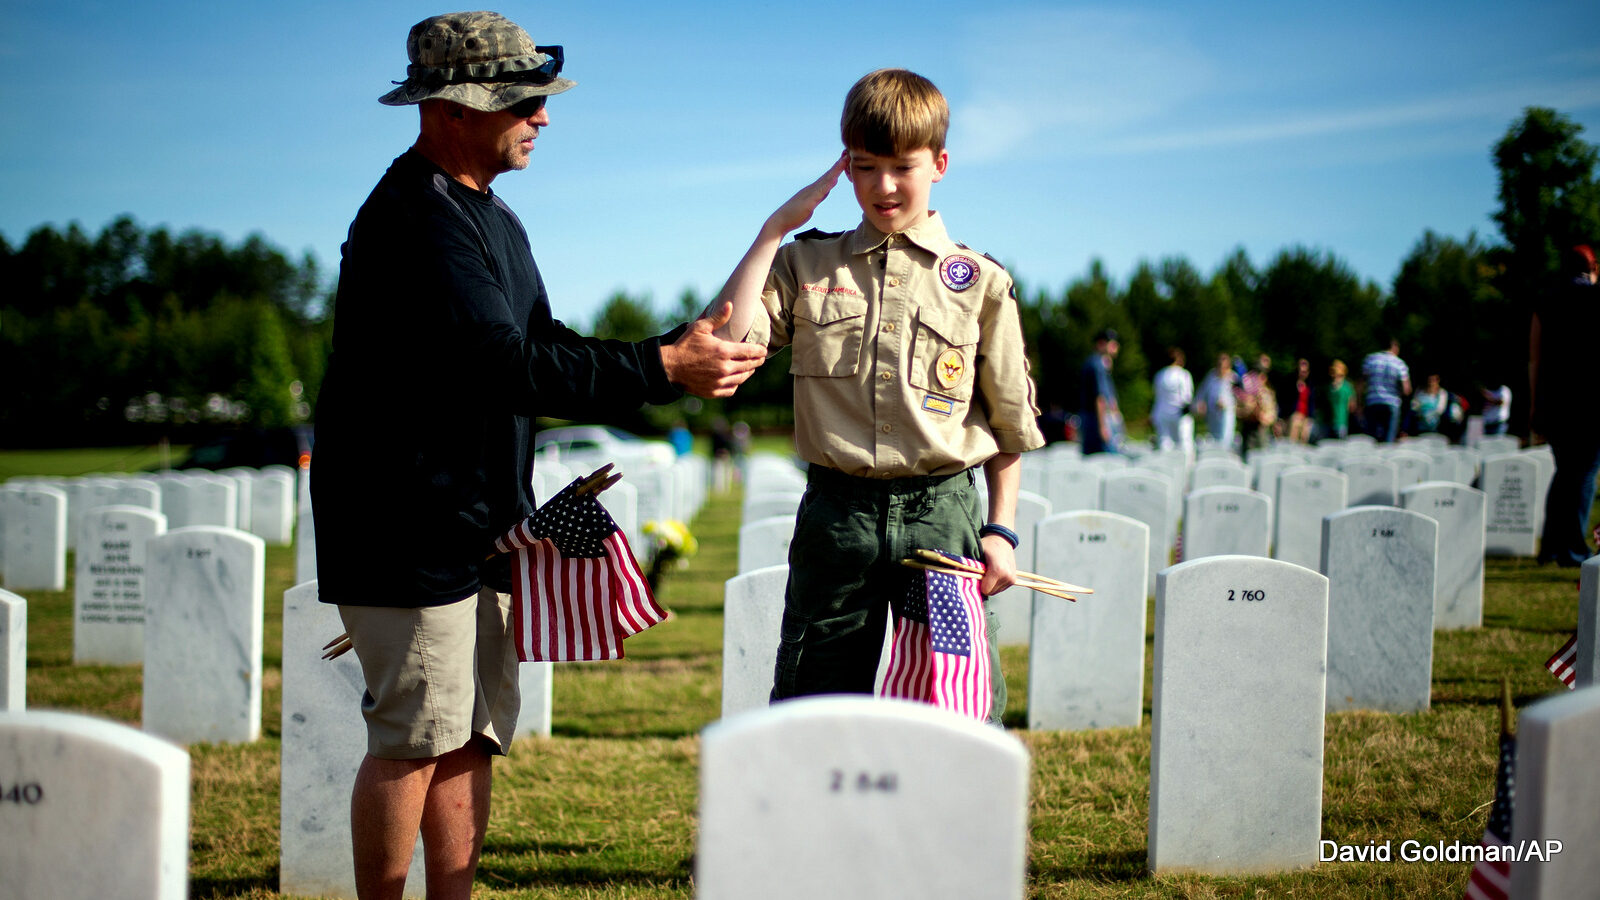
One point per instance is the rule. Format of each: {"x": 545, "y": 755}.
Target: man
{"x": 444, "y": 348}
{"x": 1102, "y": 420}
{"x": 1561, "y": 407}
{"x": 1388, "y": 382}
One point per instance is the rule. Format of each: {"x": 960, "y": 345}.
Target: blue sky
{"x": 1114, "y": 131}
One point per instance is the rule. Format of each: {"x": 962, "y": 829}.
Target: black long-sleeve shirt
{"x": 444, "y": 347}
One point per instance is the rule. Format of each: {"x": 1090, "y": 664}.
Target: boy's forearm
{"x": 743, "y": 288}
{"x": 1003, "y": 473}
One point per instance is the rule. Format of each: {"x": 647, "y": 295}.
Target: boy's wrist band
{"x": 1005, "y": 533}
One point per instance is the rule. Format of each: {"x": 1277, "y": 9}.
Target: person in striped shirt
{"x": 1388, "y": 383}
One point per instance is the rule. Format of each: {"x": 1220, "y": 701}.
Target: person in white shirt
{"x": 1169, "y": 414}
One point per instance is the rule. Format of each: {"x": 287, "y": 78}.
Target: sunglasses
{"x": 528, "y": 108}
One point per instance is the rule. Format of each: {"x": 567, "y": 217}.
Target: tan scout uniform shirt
{"x": 906, "y": 350}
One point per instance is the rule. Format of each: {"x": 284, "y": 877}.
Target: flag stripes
{"x": 1563, "y": 664}
{"x": 940, "y": 651}
{"x": 577, "y": 590}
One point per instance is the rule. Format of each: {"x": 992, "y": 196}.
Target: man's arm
{"x": 1003, "y": 473}
{"x": 742, "y": 292}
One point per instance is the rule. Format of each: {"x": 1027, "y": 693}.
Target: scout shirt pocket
{"x": 828, "y": 328}
{"x": 944, "y": 353}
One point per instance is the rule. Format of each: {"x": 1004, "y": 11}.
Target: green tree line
{"x": 137, "y": 333}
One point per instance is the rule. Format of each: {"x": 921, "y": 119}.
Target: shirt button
{"x": 889, "y": 327}
{"x": 886, "y": 376}
{"x": 888, "y": 428}
{"x": 894, "y": 282}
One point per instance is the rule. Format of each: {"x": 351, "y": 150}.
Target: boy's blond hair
{"x": 893, "y": 112}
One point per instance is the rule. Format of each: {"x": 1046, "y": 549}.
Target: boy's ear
{"x": 940, "y": 164}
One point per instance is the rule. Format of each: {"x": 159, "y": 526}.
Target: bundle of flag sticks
{"x": 596, "y": 482}
{"x": 938, "y": 562}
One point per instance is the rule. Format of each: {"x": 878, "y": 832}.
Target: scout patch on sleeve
{"x": 940, "y": 405}
{"x": 950, "y": 367}
{"x": 958, "y": 272}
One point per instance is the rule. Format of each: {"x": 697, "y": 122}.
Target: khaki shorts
{"x": 436, "y": 676}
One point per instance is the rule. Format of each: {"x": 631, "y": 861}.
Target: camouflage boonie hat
{"x": 477, "y": 59}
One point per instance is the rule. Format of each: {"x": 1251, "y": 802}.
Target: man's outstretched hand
{"x": 706, "y": 365}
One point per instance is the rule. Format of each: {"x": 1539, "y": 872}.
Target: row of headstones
{"x": 1235, "y": 777}
{"x": 1250, "y": 655}
{"x": 835, "y": 796}
{"x": 206, "y": 686}
{"x": 1397, "y": 576}
{"x": 1220, "y": 521}
{"x": 40, "y": 520}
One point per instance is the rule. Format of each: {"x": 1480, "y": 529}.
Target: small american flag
{"x": 1562, "y": 664}
{"x": 576, "y": 589}
{"x": 1492, "y": 880}
{"x": 940, "y": 653}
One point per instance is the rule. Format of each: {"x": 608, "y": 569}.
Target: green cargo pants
{"x": 844, "y": 569}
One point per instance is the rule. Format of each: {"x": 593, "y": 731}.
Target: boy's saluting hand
{"x": 798, "y": 209}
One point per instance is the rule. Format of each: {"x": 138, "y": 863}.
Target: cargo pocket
{"x": 827, "y": 334}
{"x": 944, "y": 355}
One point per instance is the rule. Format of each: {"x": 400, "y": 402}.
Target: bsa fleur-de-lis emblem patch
{"x": 949, "y": 368}
{"x": 958, "y": 272}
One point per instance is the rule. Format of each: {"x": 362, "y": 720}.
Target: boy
{"x": 909, "y": 371}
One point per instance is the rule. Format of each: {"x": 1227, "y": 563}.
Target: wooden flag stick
{"x": 940, "y": 559}
{"x": 337, "y": 647}
{"x": 975, "y": 575}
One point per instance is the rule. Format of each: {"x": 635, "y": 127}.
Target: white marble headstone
{"x": 752, "y": 621}
{"x": 203, "y": 632}
{"x": 1145, "y": 497}
{"x": 766, "y": 506}
{"x": 1459, "y": 510}
{"x": 1236, "y": 742}
{"x": 1373, "y": 481}
{"x": 1071, "y": 485}
{"x": 1226, "y": 521}
{"x": 1220, "y": 472}
{"x": 35, "y": 535}
{"x": 272, "y": 507}
{"x": 1305, "y": 495}
{"x": 305, "y": 542}
{"x": 13, "y": 652}
{"x": 1558, "y": 797}
{"x": 1411, "y": 467}
{"x": 536, "y": 685}
{"x": 109, "y": 584}
{"x": 141, "y": 492}
{"x": 1013, "y": 607}
{"x": 1510, "y": 482}
{"x": 1587, "y": 666}
{"x": 855, "y": 799}
{"x": 324, "y": 741}
{"x": 244, "y": 480}
{"x": 101, "y": 810}
{"x": 1086, "y": 662}
{"x": 1499, "y": 443}
{"x": 765, "y": 542}
{"x": 1380, "y": 563}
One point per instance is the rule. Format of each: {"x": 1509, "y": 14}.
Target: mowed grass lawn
{"x": 606, "y": 807}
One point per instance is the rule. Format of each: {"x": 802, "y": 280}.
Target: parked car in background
{"x": 253, "y": 448}
{"x": 592, "y": 446}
